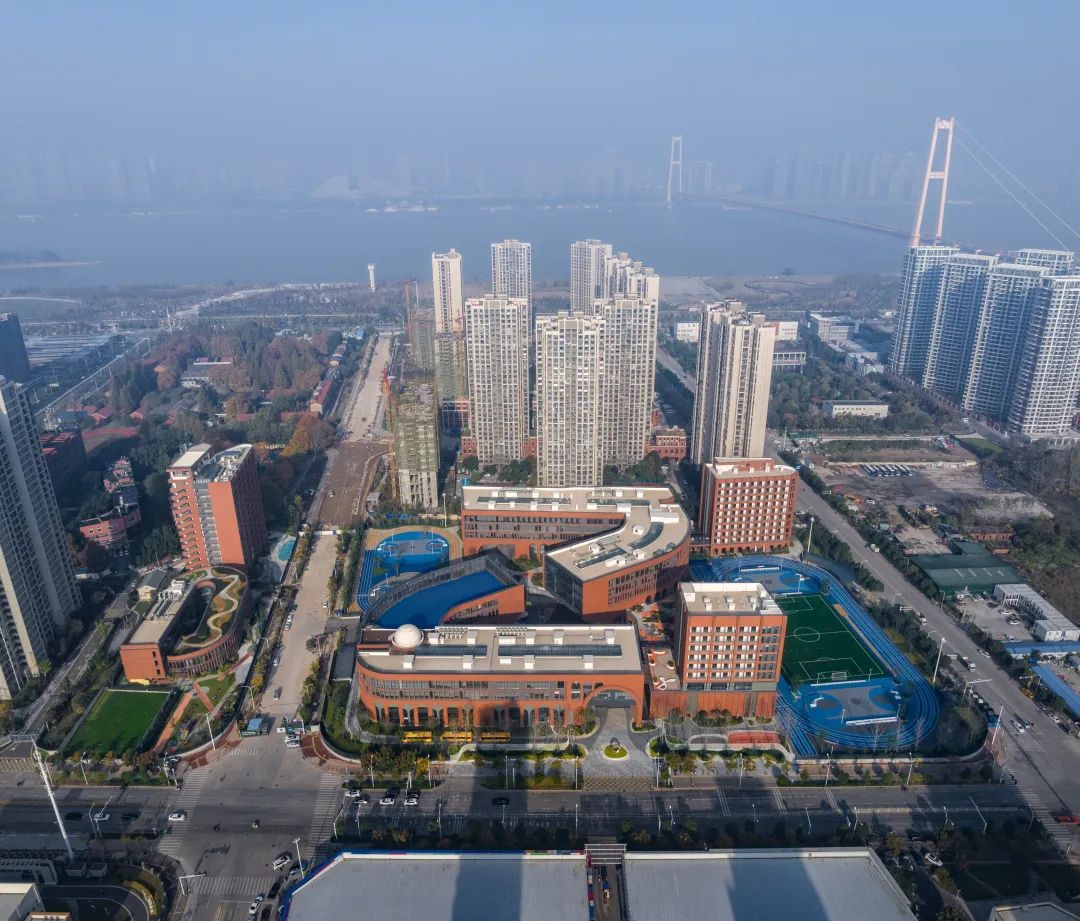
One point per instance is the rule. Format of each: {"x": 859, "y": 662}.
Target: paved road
{"x": 668, "y": 361}
{"x": 1043, "y": 759}
{"x": 96, "y": 903}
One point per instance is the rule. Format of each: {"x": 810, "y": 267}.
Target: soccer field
{"x": 820, "y": 646}
{"x": 118, "y": 721}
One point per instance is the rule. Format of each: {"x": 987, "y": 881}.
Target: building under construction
{"x": 413, "y": 412}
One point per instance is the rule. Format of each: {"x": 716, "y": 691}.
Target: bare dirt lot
{"x": 947, "y": 488}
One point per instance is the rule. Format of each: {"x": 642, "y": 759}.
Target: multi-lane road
{"x": 1043, "y": 759}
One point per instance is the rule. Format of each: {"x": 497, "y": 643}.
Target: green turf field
{"x": 820, "y": 645}
{"x": 118, "y": 721}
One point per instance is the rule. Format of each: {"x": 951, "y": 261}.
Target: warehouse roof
{"x": 837, "y": 884}
{"x": 436, "y": 886}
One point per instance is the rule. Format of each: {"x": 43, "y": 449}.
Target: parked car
{"x": 281, "y": 860}
{"x": 932, "y": 859}
{"x": 412, "y": 800}
{"x": 984, "y": 653}
{"x": 353, "y": 794}
{"x": 253, "y": 908}
{"x": 501, "y": 801}
{"x": 388, "y": 798}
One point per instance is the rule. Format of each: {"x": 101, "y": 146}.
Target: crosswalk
{"x": 259, "y": 747}
{"x": 780, "y": 807}
{"x": 324, "y": 813}
{"x": 194, "y": 781}
{"x": 248, "y": 886}
{"x": 1060, "y": 834}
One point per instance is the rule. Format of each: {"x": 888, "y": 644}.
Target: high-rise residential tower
{"x": 917, "y": 307}
{"x": 511, "y": 269}
{"x": 496, "y": 356}
{"x": 38, "y": 593}
{"x": 595, "y": 379}
{"x": 569, "y": 375}
{"x": 217, "y": 507}
{"x": 961, "y": 290}
{"x": 629, "y": 278}
{"x": 629, "y": 381}
{"x": 998, "y": 339}
{"x": 1048, "y": 375}
{"x": 449, "y": 301}
{"x": 14, "y": 365}
{"x": 734, "y": 372}
{"x": 587, "y": 262}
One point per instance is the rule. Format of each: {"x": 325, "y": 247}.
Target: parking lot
{"x": 999, "y": 621}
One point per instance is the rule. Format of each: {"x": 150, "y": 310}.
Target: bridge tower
{"x": 371, "y": 275}
{"x": 940, "y": 173}
{"x": 674, "y": 182}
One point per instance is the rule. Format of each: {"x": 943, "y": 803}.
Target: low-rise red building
{"x": 111, "y": 529}
{"x": 670, "y": 443}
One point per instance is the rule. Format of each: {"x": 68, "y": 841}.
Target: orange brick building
{"x": 747, "y": 505}
{"x": 729, "y": 643}
{"x": 503, "y": 677}
{"x": 195, "y": 627}
{"x": 605, "y": 549}
{"x": 669, "y": 443}
{"x": 217, "y": 507}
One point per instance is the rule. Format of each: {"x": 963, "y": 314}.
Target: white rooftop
{"x": 446, "y": 887}
{"x": 834, "y": 884}
{"x": 652, "y": 521}
{"x": 727, "y": 598}
{"x": 511, "y": 649}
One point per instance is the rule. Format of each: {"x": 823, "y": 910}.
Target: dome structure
{"x": 406, "y": 637}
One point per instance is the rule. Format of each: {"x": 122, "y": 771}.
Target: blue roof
{"x": 1043, "y": 649}
{"x": 427, "y": 607}
{"x": 1060, "y": 687}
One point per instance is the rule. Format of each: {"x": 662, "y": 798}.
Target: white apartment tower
{"x": 1048, "y": 375}
{"x": 952, "y": 330}
{"x": 630, "y": 278}
{"x": 38, "y": 593}
{"x": 568, "y": 400}
{"x": 587, "y": 262}
{"x": 497, "y": 362}
{"x": 734, "y": 371}
{"x": 511, "y": 269}
{"x": 629, "y": 359}
{"x": 595, "y": 379}
{"x": 446, "y": 281}
{"x": 917, "y": 307}
{"x": 998, "y": 339}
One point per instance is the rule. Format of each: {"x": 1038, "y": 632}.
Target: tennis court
{"x": 821, "y": 647}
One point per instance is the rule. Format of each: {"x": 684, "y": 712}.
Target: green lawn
{"x": 118, "y": 721}
{"x": 980, "y": 447}
{"x": 217, "y": 687}
{"x": 820, "y": 645}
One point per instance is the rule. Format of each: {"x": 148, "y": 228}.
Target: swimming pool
{"x": 285, "y": 549}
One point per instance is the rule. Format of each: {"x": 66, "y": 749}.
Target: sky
{"x": 321, "y": 87}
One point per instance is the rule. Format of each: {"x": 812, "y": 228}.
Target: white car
{"x": 102, "y": 817}
{"x": 280, "y": 861}
{"x": 178, "y": 816}
{"x": 353, "y": 794}
{"x": 932, "y": 859}
{"x": 292, "y": 743}
{"x": 253, "y": 908}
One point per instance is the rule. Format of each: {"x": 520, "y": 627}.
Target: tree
{"x": 310, "y": 435}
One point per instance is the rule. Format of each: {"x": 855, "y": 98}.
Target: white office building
{"x": 38, "y": 593}
{"x": 497, "y": 362}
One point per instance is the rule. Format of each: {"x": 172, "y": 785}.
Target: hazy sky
{"x": 325, "y": 86}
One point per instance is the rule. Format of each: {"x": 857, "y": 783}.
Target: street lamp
{"x": 941, "y": 647}
{"x": 299, "y": 859}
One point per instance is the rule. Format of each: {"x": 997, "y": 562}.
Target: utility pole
{"x": 52, "y": 799}
{"x": 810, "y": 536}
{"x": 979, "y": 811}
{"x": 210, "y": 729}
{"x": 941, "y": 647}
